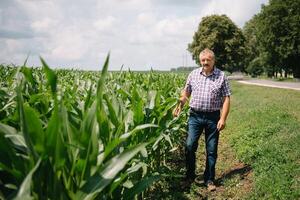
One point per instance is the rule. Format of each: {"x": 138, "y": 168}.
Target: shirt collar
{"x": 214, "y": 72}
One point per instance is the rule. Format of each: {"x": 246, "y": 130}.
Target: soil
{"x": 234, "y": 179}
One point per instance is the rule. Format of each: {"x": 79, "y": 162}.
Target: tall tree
{"x": 220, "y": 34}
{"x": 256, "y": 60}
{"x": 278, "y": 34}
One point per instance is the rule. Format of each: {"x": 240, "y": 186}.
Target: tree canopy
{"x": 220, "y": 34}
{"x": 274, "y": 35}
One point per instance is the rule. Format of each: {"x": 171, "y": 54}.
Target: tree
{"x": 221, "y": 35}
{"x": 278, "y": 33}
{"x": 257, "y": 60}
{"x": 250, "y": 34}
{"x": 255, "y": 67}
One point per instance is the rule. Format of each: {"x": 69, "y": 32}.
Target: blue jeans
{"x": 197, "y": 122}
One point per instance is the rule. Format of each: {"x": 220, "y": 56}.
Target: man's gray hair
{"x": 207, "y": 50}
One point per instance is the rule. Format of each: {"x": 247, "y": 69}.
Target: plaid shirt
{"x": 207, "y": 91}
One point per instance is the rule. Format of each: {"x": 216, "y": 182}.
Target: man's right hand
{"x": 183, "y": 98}
{"x": 177, "y": 110}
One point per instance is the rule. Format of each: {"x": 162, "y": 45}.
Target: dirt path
{"x": 233, "y": 178}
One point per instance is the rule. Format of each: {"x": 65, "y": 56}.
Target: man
{"x": 209, "y": 108}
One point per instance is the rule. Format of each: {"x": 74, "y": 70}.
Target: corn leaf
{"x": 25, "y": 188}
{"x": 97, "y": 183}
{"x": 35, "y": 129}
{"x": 140, "y": 186}
{"x": 51, "y": 76}
{"x": 24, "y": 122}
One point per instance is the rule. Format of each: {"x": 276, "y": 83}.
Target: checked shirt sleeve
{"x": 225, "y": 90}
{"x": 188, "y": 86}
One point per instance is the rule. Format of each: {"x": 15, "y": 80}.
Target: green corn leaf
{"x": 164, "y": 114}
{"x": 112, "y": 114}
{"x": 24, "y": 122}
{"x": 97, "y": 183}
{"x": 140, "y": 186}
{"x": 138, "y": 114}
{"x": 70, "y": 143}
{"x": 137, "y": 106}
{"x": 10, "y": 132}
{"x": 35, "y": 129}
{"x": 101, "y": 81}
{"x": 92, "y": 155}
{"x": 29, "y": 76}
{"x": 51, "y": 76}
{"x": 51, "y": 132}
{"x": 167, "y": 138}
{"x": 89, "y": 140}
{"x": 88, "y": 124}
{"x": 136, "y": 129}
{"x": 25, "y": 62}
{"x": 151, "y": 98}
{"x": 25, "y": 188}
{"x": 101, "y": 115}
{"x": 88, "y": 98}
{"x": 55, "y": 141}
{"x": 124, "y": 93}
{"x": 114, "y": 143}
{"x": 117, "y": 182}
{"x": 136, "y": 167}
{"x": 104, "y": 128}
{"x": 157, "y": 141}
{"x": 9, "y": 161}
{"x": 78, "y": 110}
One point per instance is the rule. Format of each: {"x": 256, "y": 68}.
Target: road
{"x": 275, "y": 84}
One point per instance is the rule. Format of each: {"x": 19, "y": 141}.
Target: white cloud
{"x": 14, "y": 45}
{"x": 146, "y": 18}
{"x": 151, "y": 30}
{"x": 44, "y": 25}
{"x": 139, "y": 33}
{"x": 176, "y": 27}
{"x": 40, "y": 9}
{"x": 238, "y": 11}
{"x": 69, "y": 45}
{"x": 106, "y": 24}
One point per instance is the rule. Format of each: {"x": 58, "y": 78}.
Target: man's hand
{"x": 183, "y": 98}
{"x": 221, "y": 124}
{"x": 177, "y": 110}
{"x": 225, "y": 111}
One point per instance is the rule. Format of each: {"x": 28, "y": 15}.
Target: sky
{"x": 139, "y": 34}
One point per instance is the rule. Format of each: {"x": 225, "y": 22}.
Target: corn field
{"x": 68, "y": 134}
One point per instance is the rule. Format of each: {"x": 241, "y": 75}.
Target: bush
{"x": 255, "y": 67}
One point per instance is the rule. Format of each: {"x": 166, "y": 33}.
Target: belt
{"x": 204, "y": 112}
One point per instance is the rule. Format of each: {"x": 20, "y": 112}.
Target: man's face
{"x": 207, "y": 61}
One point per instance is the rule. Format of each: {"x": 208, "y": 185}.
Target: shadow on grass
{"x": 242, "y": 171}
{"x": 171, "y": 187}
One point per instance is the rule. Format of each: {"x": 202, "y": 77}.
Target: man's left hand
{"x": 221, "y": 124}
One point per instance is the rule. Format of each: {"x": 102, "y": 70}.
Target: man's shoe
{"x": 211, "y": 186}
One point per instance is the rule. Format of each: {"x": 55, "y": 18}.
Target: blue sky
{"x": 139, "y": 34}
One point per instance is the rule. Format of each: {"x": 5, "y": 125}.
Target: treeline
{"x": 268, "y": 43}
{"x": 183, "y": 69}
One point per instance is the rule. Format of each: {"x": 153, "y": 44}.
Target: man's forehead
{"x": 206, "y": 54}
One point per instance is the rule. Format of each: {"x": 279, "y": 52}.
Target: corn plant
{"x": 74, "y": 135}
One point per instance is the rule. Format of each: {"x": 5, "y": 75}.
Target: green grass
{"x": 264, "y": 130}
